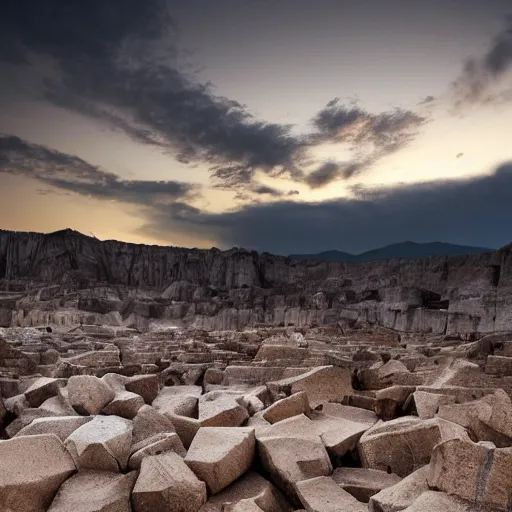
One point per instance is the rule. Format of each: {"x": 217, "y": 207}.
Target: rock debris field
{"x": 323, "y": 419}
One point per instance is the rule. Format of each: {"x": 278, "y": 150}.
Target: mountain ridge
{"x": 401, "y": 250}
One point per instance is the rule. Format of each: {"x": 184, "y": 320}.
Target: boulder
{"x": 166, "y": 483}
{"x": 221, "y": 410}
{"x": 186, "y": 428}
{"x": 101, "y": 444}
{"x": 61, "y": 426}
{"x": 42, "y": 389}
{"x": 364, "y": 483}
{"x": 147, "y": 424}
{"x": 323, "y": 494}
{"x": 159, "y": 443}
{"x": 32, "y": 468}
{"x": 432, "y": 501}
{"x": 124, "y": 404}
{"x": 89, "y": 394}
{"x": 287, "y": 407}
{"x": 249, "y": 487}
{"x": 428, "y": 404}
{"x": 95, "y": 491}
{"x": 146, "y": 386}
{"x": 178, "y": 400}
{"x": 400, "y": 446}
{"x": 340, "y": 427}
{"x": 220, "y": 455}
{"x": 322, "y": 384}
{"x": 289, "y": 460}
{"x": 477, "y": 472}
{"x": 401, "y": 495}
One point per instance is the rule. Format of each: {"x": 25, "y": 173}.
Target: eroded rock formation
{"x": 66, "y": 278}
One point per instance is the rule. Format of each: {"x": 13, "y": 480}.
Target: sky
{"x": 286, "y": 127}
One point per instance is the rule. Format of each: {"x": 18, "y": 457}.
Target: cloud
{"x": 116, "y": 62}
{"x": 481, "y": 75}
{"x": 473, "y": 211}
{"x": 72, "y": 174}
{"x": 459, "y": 155}
{"x": 370, "y": 136}
{"x": 354, "y": 125}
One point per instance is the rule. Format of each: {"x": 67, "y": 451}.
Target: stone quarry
{"x": 144, "y": 379}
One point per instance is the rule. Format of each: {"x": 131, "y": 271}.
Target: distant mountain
{"x": 408, "y": 250}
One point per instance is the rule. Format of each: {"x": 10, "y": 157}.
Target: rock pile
{"x": 265, "y": 420}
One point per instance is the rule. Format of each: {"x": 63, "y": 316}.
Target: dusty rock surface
{"x": 208, "y": 381}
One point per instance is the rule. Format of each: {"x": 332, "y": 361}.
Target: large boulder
{"x": 178, "y": 400}
{"x": 289, "y": 460}
{"x": 101, "y": 444}
{"x": 323, "y": 494}
{"x": 95, "y": 491}
{"x": 322, "y": 384}
{"x": 364, "y": 483}
{"x": 89, "y": 394}
{"x": 287, "y": 407}
{"x": 401, "y": 495}
{"x": 32, "y": 468}
{"x": 61, "y": 426}
{"x": 147, "y": 386}
{"x": 249, "y": 487}
{"x": 477, "y": 472}
{"x": 42, "y": 389}
{"x": 403, "y": 445}
{"x": 220, "y": 455}
{"x": 166, "y": 483}
{"x": 340, "y": 427}
{"x": 221, "y": 410}
{"x": 432, "y": 501}
{"x": 124, "y": 404}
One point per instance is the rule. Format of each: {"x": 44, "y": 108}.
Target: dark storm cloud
{"x": 480, "y": 75}
{"x": 116, "y": 62}
{"x": 354, "y": 125}
{"x": 473, "y": 212}
{"x": 371, "y": 136}
{"x": 72, "y": 174}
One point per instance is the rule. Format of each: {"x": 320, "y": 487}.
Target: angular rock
{"x": 287, "y": 407}
{"x": 185, "y": 427}
{"x": 124, "y": 404}
{"x": 32, "y": 468}
{"x": 401, "y": 495}
{"x": 101, "y": 444}
{"x": 322, "y": 384}
{"x": 249, "y": 487}
{"x": 289, "y": 460}
{"x": 477, "y": 472}
{"x": 427, "y": 404}
{"x": 95, "y": 491}
{"x": 144, "y": 385}
{"x": 220, "y": 455}
{"x": 88, "y": 394}
{"x": 221, "y": 411}
{"x": 159, "y": 443}
{"x": 62, "y": 426}
{"x": 432, "y": 501}
{"x": 166, "y": 483}
{"x": 340, "y": 427}
{"x": 400, "y": 446}
{"x": 42, "y": 389}
{"x": 147, "y": 424}
{"x": 323, "y": 494}
{"x": 364, "y": 483}
{"x": 178, "y": 400}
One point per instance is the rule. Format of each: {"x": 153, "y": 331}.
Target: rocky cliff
{"x": 69, "y": 278}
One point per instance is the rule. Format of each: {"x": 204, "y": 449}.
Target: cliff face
{"x": 66, "y": 277}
